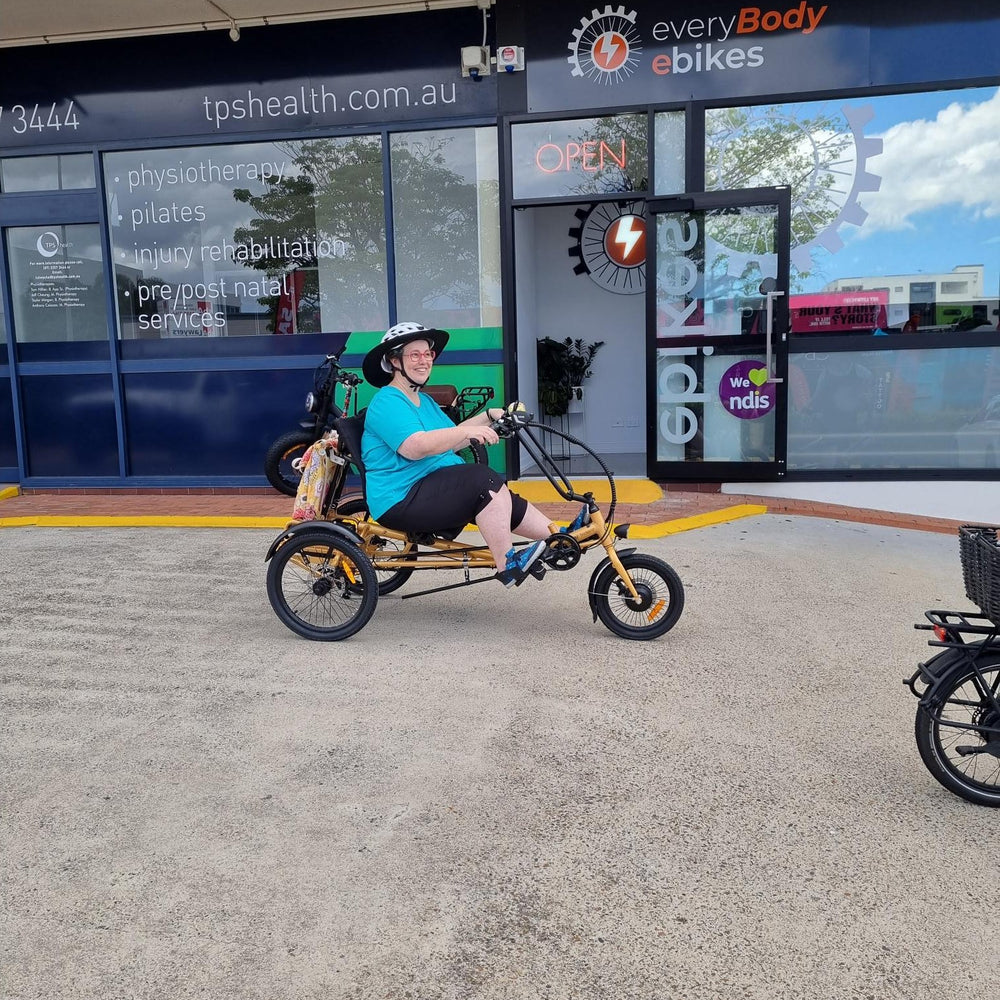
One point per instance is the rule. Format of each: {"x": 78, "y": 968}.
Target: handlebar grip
{"x": 507, "y": 424}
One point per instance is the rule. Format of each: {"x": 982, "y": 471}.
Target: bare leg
{"x": 494, "y": 525}
{"x": 535, "y": 524}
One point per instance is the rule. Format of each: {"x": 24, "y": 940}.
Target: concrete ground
{"x": 483, "y": 794}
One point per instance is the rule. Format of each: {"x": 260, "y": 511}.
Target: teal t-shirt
{"x": 390, "y": 419}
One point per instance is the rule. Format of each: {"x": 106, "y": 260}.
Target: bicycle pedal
{"x": 538, "y": 569}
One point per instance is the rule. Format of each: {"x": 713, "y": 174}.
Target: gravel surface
{"x": 483, "y": 794}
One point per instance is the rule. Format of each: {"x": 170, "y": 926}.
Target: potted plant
{"x": 563, "y": 367}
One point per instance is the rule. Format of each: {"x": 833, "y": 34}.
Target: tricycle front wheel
{"x": 661, "y": 597}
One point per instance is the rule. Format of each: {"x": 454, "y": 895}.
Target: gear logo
{"x": 825, "y": 164}
{"x": 610, "y": 243}
{"x": 605, "y": 47}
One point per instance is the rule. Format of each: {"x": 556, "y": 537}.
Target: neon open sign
{"x": 582, "y": 156}
{"x": 592, "y": 155}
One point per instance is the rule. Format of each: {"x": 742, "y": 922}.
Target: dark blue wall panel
{"x": 216, "y": 423}
{"x": 70, "y": 425}
{"x": 8, "y": 453}
{"x": 234, "y": 347}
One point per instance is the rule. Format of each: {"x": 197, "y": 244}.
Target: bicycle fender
{"x": 937, "y": 672}
{"x": 598, "y": 570}
{"x": 335, "y": 529}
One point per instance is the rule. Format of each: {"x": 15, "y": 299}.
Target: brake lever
{"x": 508, "y": 425}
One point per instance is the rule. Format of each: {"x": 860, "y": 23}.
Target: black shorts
{"x": 450, "y": 498}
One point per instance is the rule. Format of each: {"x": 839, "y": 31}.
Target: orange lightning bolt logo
{"x": 610, "y": 51}
{"x": 625, "y": 242}
{"x": 606, "y": 47}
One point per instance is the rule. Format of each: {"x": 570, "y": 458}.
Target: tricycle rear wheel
{"x": 322, "y": 586}
{"x": 661, "y": 597}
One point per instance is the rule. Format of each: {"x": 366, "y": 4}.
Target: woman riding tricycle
{"x": 325, "y": 576}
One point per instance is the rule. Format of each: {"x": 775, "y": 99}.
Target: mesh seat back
{"x": 350, "y": 430}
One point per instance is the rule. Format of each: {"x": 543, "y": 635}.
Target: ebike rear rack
{"x": 950, "y": 629}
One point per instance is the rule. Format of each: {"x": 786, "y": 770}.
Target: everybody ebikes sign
{"x": 671, "y": 51}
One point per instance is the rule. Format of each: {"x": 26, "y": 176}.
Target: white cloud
{"x": 952, "y": 160}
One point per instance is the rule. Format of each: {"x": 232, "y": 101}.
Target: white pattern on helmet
{"x": 399, "y": 330}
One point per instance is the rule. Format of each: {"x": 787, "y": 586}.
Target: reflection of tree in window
{"x": 618, "y": 132}
{"x": 761, "y": 147}
{"x": 338, "y": 198}
{"x": 438, "y": 217}
{"x": 335, "y": 201}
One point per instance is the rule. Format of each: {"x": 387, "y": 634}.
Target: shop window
{"x": 584, "y": 156}
{"x": 257, "y": 239}
{"x": 70, "y": 172}
{"x": 58, "y": 292}
{"x": 888, "y": 192}
{"x": 668, "y": 151}
{"x": 446, "y": 226}
{"x": 915, "y": 409}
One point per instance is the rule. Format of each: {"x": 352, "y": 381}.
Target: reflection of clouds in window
{"x": 951, "y": 159}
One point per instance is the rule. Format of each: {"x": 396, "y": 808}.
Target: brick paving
{"x": 266, "y": 503}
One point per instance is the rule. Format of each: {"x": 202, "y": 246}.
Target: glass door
{"x": 717, "y": 318}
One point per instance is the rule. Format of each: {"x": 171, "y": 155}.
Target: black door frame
{"x": 701, "y": 471}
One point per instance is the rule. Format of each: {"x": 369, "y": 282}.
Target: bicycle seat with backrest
{"x": 350, "y": 430}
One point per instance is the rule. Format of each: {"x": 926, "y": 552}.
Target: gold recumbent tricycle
{"x": 325, "y": 576}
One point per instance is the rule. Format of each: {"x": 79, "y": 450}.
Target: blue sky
{"x": 939, "y": 201}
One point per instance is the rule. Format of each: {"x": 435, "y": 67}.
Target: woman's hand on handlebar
{"x": 484, "y": 435}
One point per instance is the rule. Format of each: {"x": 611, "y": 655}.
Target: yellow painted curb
{"x": 627, "y": 490}
{"x": 180, "y": 521}
{"x": 695, "y": 521}
{"x": 9, "y": 492}
{"x": 162, "y": 521}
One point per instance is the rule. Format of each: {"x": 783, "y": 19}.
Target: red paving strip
{"x": 265, "y": 503}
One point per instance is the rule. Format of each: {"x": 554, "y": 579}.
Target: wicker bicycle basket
{"x": 981, "y": 567}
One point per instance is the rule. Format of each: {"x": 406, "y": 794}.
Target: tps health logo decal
{"x": 605, "y": 47}
{"x": 744, "y": 390}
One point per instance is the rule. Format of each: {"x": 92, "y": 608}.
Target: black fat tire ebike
{"x": 325, "y": 577}
{"x": 957, "y": 726}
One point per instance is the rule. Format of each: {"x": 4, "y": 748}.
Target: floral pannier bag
{"x": 317, "y": 466}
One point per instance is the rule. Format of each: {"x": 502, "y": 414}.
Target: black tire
{"x": 322, "y": 586}
{"x": 279, "y": 458}
{"x": 975, "y": 773}
{"x": 474, "y": 454}
{"x": 661, "y": 591}
{"x": 388, "y": 580}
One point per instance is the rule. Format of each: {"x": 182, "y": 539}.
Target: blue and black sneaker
{"x": 580, "y": 520}
{"x": 519, "y": 564}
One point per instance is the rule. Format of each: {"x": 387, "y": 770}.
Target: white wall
{"x": 554, "y": 302}
{"x": 971, "y": 502}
